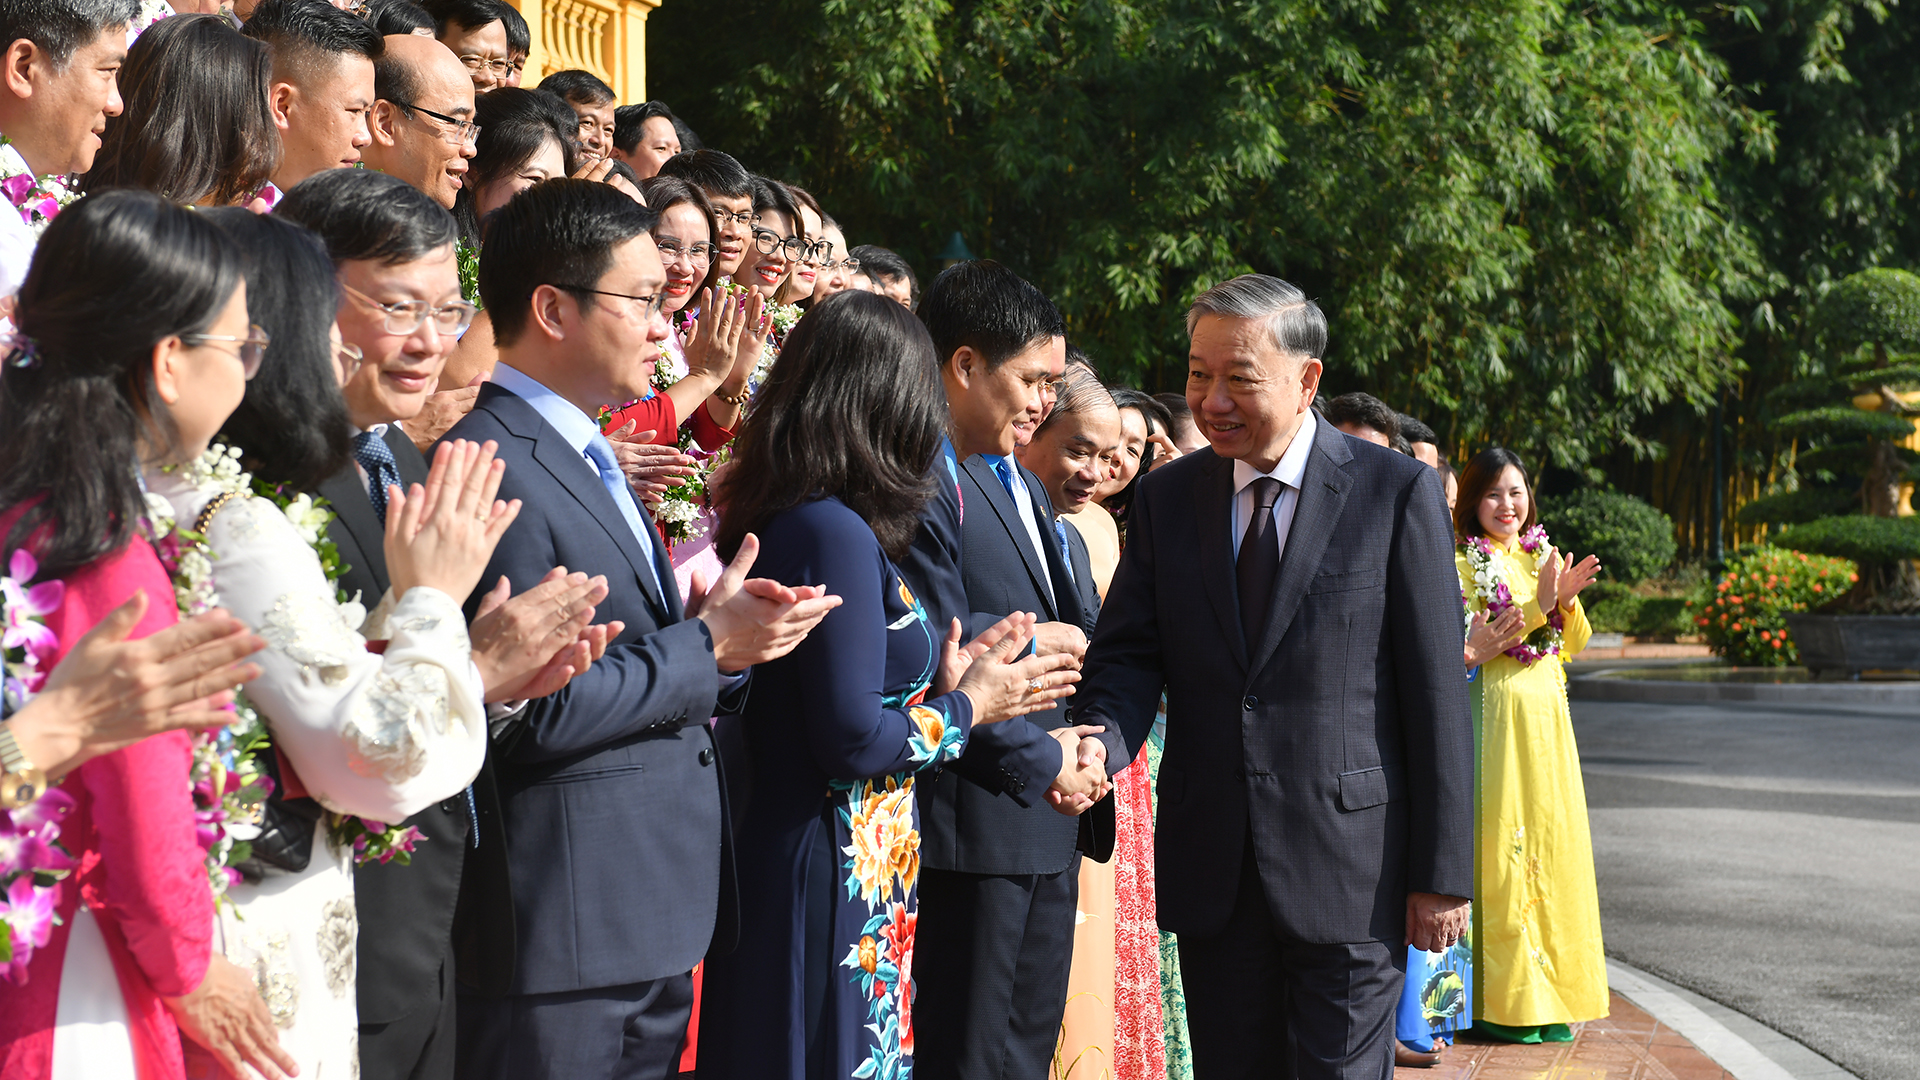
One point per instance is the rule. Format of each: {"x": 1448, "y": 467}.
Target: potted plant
{"x": 1856, "y": 474}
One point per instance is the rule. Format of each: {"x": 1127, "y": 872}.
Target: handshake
{"x": 1083, "y": 779}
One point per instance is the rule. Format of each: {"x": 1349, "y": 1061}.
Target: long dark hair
{"x": 196, "y": 127}
{"x": 114, "y": 275}
{"x": 292, "y": 427}
{"x": 1159, "y": 421}
{"x": 514, "y": 125}
{"x": 854, "y": 408}
{"x": 1482, "y": 473}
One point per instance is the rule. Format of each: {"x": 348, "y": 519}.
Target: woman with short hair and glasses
{"x": 806, "y": 269}
{"x": 837, "y": 266}
{"x": 775, "y": 244}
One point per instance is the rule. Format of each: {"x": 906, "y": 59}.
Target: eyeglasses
{"x": 819, "y": 253}
{"x": 851, "y": 266}
{"x": 741, "y": 217}
{"x": 462, "y": 133}
{"x": 500, "y": 69}
{"x": 649, "y": 305}
{"x": 671, "y": 251}
{"x": 349, "y": 357}
{"x": 406, "y": 316}
{"x": 766, "y": 240}
{"x": 1056, "y": 385}
{"x": 253, "y": 347}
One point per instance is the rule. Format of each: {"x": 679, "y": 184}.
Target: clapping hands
{"x": 1487, "y": 639}
{"x": 1561, "y": 579}
{"x": 999, "y": 683}
{"x": 535, "y": 643}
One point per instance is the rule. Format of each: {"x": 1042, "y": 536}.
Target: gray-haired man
{"x": 1315, "y": 799}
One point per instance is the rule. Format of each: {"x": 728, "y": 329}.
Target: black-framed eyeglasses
{"x": 463, "y": 132}
{"x": 738, "y": 217}
{"x": 766, "y": 240}
{"x": 403, "y": 317}
{"x": 495, "y": 66}
{"x": 649, "y": 305}
{"x": 253, "y": 347}
{"x": 819, "y": 253}
{"x": 671, "y": 251}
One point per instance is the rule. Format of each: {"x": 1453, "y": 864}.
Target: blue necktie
{"x": 1007, "y": 481}
{"x": 1066, "y": 550}
{"x": 600, "y": 454}
{"x": 375, "y": 456}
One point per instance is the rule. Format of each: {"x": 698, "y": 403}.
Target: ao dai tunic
{"x": 1536, "y": 911}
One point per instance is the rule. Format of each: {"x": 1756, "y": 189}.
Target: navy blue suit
{"x": 610, "y": 800}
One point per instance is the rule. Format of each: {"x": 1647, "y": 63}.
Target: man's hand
{"x": 442, "y": 411}
{"x": 533, "y": 644}
{"x": 1083, "y": 770}
{"x": 651, "y": 467}
{"x": 1059, "y": 637}
{"x": 108, "y": 692}
{"x": 754, "y": 620}
{"x": 1435, "y": 922}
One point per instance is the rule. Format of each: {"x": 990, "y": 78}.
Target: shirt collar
{"x": 1292, "y": 468}
{"x": 377, "y": 429}
{"x": 573, "y": 425}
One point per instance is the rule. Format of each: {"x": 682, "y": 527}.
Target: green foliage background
{"x": 1569, "y": 229}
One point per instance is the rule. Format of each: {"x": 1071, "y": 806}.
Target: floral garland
{"x": 229, "y": 787}
{"x": 39, "y": 199}
{"x": 32, "y": 860}
{"x": 1491, "y": 590}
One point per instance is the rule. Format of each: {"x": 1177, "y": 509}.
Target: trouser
{"x": 990, "y": 972}
{"x": 632, "y": 1032}
{"x": 419, "y": 1045}
{"x": 1263, "y": 1004}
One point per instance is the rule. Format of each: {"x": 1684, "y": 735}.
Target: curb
{"x": 1608, "y": 686}
{"x": 1743, "y": 1046}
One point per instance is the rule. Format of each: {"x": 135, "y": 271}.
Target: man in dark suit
{"x": 393, "y": 248}
{"x": 999, "y": 877}
{"x": 1293, "y": 591}
{"x": 612, "y": 820}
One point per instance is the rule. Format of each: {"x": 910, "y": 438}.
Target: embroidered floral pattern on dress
{"x": 269, "y": 959}
{"x": 338, "y": 934}
{"x": 388, "y": 722}
{"x": 311, "y": 631}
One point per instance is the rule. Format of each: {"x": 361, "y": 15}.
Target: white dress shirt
{"x": 1290, "y": 471}
{"x": 1023, "y": 500}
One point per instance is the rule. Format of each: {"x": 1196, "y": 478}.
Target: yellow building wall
{"x": 606, "y": 37}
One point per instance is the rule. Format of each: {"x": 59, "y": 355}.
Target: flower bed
{"x": 1745, "y": 619}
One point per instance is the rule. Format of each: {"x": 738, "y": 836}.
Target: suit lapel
{"x": 1213, "y": 511}
{"x": 1323, "y": 495}
{"x": 354, "y": 512}
{"x": 1066, "y": 590}
{"x": 578, "y": 478}
{"x": 407, "y": 457}
{"x": 1083, "y": 582}
{"x": 997, "y": 497}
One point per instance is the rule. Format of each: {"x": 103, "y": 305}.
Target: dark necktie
{"x": 1066, "y": 549}
{"x": 1258, "y": 565}
{"x": 375, "y": 456}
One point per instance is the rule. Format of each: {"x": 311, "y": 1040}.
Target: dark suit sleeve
{"x": 1120, "y": 683}
{"x": 1423, "y": 621}
{"x": 645, "y": 680}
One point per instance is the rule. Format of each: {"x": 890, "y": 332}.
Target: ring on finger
{"x": 1034, "y": 685}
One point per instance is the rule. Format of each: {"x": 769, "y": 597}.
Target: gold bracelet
{"x": 23, "y": 783}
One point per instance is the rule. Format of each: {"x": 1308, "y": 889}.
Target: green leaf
{"x": 1843, "y": 422}
{"x": 1865, "y": 540}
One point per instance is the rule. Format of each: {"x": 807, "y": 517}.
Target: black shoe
{"x": 1407, "y": 1057}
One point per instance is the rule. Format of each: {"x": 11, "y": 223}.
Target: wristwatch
{"x": 22, "y": 783}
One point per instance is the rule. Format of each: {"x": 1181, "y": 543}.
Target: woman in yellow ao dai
{"x": 1538, "y": 962}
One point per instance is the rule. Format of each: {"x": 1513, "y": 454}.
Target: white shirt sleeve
{"x": 377, "y": 736}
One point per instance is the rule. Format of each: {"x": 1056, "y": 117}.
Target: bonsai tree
{"x": 1848, "y": 501}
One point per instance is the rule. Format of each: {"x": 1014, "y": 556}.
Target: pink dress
{"x": 141, "y": 873}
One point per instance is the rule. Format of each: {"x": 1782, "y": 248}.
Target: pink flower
{"x": 28, "y": 913}
{"x": 17, "y": 187}
{"x": 25, "y": 603}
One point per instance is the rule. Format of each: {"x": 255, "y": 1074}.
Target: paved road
{"x": 1767, "y": 857}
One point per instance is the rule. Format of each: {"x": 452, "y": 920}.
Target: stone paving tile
{"x": 1627, "y": 1045}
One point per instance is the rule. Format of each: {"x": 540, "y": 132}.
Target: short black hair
{"x": 514, "y": 124}
{"x": 362, "y": 214}
{"x": 466, "y": 14}
{"x": 301, "y": 33}
{"x": 885, "y": 264}
{"x": 630, "y": 122}
{"x": 557, "y": 232}
{"x": 398, "y": 17}
{"x": 715, "y": 172}
{"x": 1364, "y": 410}
{"x": 1415, "y": 431}
{"x": 984, "y": 305}
{"x": 773, "y": 196}
{"x": 61, "y": 28}
{"x": 1181, "y": 414}
{"x": 519, "y": 37}
{"x": 292, "y": 426}
{"x": 578, "y": 87}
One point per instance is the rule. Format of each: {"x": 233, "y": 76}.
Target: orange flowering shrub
{"x": 1744, "y": 620}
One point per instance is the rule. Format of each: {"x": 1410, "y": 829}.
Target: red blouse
{"x": 656, "y": 414}
{"x": 140, "y": 869}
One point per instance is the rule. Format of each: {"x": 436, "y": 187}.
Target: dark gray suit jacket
{"x": 1341, "y": 737}
{"x": 611, "y": 808}
{"x": 966, "y": 826}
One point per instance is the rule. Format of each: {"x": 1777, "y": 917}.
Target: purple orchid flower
{"x": 17, "y": 187}
{"x": 28, "y": 602}
{"x": 27, "y": 911}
